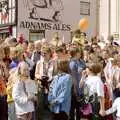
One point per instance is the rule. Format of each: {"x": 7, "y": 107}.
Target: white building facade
{"x": 109, "y": 15}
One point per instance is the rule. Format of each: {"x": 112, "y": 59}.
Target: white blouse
{"x": 20, "y": 94}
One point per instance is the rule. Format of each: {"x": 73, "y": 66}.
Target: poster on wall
{"x": 43, "y": 14}
{"x": 44, "y": 10}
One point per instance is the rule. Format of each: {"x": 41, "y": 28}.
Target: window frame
{"x": 10, "y": 8}
{"x": 83, "y": 6}
{"x": 38, "y": 32}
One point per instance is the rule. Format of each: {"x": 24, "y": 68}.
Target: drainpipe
{"x": 119, "y": 18}
{"x": 97, "y": 16}
{"x": 109, "y": 20}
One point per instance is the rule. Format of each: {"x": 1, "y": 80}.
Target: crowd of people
{"x": 72, "y": 80}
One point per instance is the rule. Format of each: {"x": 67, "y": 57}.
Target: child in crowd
{"x": 96, "y": 89}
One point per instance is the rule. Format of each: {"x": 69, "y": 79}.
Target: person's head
{"x": 105, "y": 54}
{"x": 95, "y": 47}
{"x": 13, "y": 53}
{"x": 63, "y": 66}
{"x": 64, "y": 46}
{"x": 77, "y": 33}
{"x": 59, "y": 51}
{"x": 38, "y": 46}
{"x": 47, "y": 53}
{"x": 93, "y": 58}
{"x": 23, "y": 70}
{"x": 93, "y": 68}
{"x": 21, "y": 57}
{"x": 116, "y": 60}
{"x": 7, "y": 52}
{"x": 86, "y": 43}
{"x": 74, "y": 52}
{"x": 94, "y": 40}
{"x": 25, "y": 45}
{"x": 31, "y": 47}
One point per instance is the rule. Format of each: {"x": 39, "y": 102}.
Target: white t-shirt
{"x": 95, "y": 85}
{"x": 115, "y": 107}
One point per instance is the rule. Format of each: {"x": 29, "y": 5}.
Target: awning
{"x": 5, "y": 29}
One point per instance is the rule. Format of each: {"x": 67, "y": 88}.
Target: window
{"x": 84, "y": 8}
{"x": 36, "y": 35}
{"x": 7, "y": 12}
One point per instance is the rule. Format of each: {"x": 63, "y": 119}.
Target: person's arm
{"x": 52, "y": 90}
{"x": 74, "y": 74}
{"x": 117, "y": 78}
{"x": 102, "y": 102}
{"x": 50, "y": 72}
{"x": 37, "y": 71}
{"x": 6, "y": 73}
{"x": 82, "y": 81}
{"x": 30, "y": 63}
{"x": 100, "y": 93}
{"x": 32, "y": 57}
{"x": 113, "y": 108}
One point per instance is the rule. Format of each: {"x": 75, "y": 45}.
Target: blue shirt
{"x": 13, "y": 64}
{"x": 76, "y": 68}
{"x": 60, "y": 93}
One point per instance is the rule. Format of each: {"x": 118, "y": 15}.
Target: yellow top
{"x": 9, "y": 94}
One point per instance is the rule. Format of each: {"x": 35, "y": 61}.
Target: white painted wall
{"x": 71, "y": 15}
{"x": 113, "y": 16}
{"x": 104, "y": 18}
{"x": 109, "y": 23}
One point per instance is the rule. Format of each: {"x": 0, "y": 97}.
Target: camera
{"x": 44, "y": 81}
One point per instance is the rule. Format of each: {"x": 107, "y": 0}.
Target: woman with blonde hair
{"x": 23, "y": 93}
